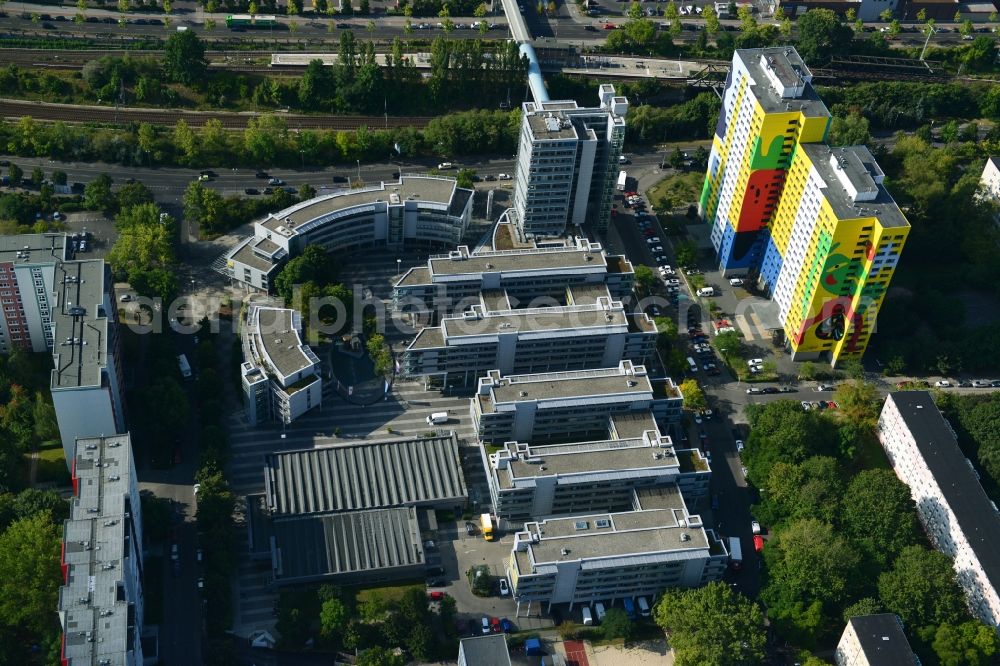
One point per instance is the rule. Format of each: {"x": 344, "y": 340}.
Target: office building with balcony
{"x": 569, "y": 406}
{"x": 354, "y": 514}
{"x": 959, "y": 518}
{"x": 101, "y": 602}
{"x": 874, "y": 640}
{"x": 609, "y": 556}
{"x": 813, "y": 226}
{"x": 535, "y": 481}
{"x": 567, "y": 164}
{"x": 450, "y": 283}
{"x": 596, "y": 333}
{"x": 417, "y": 211}
{"x": 280, "y": 373}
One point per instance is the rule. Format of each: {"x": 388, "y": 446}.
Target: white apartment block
{"x": 874, "y": 640}
{"x": 416, "y": 211}
{"x": 451, "y": 282}
{"x": 567, "y": 163}
{"x": 989, "y": 181}
{"x": 51, "y": 303}
{"x": 960, "y": 520}
{"x": 596, "y": 333}
{"x": 610, "y": 556}
{"x": 536, "y": 481}
{"x": 101, "y": 600}
{"x": 281, "y": 374}
{"x": 568, "y": 406}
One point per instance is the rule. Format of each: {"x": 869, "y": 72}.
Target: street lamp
{"x": 399, "y": 268}
{"x": 359, "y": 170}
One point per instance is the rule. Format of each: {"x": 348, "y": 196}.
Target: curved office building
{"x": 417, "y": 210}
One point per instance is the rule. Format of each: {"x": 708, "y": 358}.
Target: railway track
{"x": 13, "y": 109}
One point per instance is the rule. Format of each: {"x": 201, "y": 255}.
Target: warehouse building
{"x": 355, "y": 513}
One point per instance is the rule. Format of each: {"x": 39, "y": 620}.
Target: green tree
{"x": 670, "y": 11}
{"x": 131, "y": 195}
{"x": 711, "y": 625}
{"x": 687, "y": 254}
{"x": 849, "y": 130}
{"x": 894, "y": 28}
{"x": 711, "y": 20}
{"x": 859, "y": 401}
{"x": 97, "y": 194}
{"x": 16, "y": 174}
{"x": 29, "y": 573}
{"x": 380, "y": 656}
{"x": 922, "y": 588}
{"x": 886, "y": 15}
{"x": 645, "y": 278}
{"x": 864, "y": 606}
{"x": 810, "y": 568}
{"x": 968, "y": 644}
{"x": 635, "y": 10}
{"x": 37, "y": 177}
{"x": 878, "y": 514}
{"x": 315, "y": 265}
{"x": 184, "y": 58}
{"x": 616, "y": 624}
{"x": 306, "y": 191}
{"x": 694, "y": 397}
{"x": 813, "y": 488}
{"x": 59, "y": 177}
{"x": 43, "y": 417}
{"x": 334, "y": 617}
{"x": 821, "y": 34}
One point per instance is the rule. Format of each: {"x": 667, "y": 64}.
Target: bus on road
{"x": 486, "y": 525}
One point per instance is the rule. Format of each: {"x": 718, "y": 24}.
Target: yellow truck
{"x": 486, "y": 525}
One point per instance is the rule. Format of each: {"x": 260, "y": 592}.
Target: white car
{"x": 697, "y": 418}
{"x": 806, "y": 405}
{"x": 656, "y": 248}
{"x": 653, "y": 240}
{"x": 504, "y": 176}
{"x": 673, "y": 282}
{"x": 755, "y": 527}
{"x": 125, "y": 298}
{"x": 739, "y": 446}
{"x": 735, "y": 282}
{"x": 944, "y": 383}
{"x": 504, "y": 587}
{"x": 755, "y": 361}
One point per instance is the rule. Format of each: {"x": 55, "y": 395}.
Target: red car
{"x": 436, "y": 596}
{"x": 758, "y": 543}
{"x": 610, "y": 26}
{"x": 495, "y": 625}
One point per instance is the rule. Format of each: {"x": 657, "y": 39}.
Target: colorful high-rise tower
{"x": 812, "y": 226}
{"x": 769, "y": 106}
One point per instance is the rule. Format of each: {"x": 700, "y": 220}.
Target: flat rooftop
{"x": 882, "y": 640}
{"x": 355, "y": 542}
{"x": 633, "y": 426}
{"x": 549, "y": 259}
{"x": 975, "y": 514}
{"x": 575, "y": 384}
{"x": 422, "y": 471}
{"x": 789, "y": 67}
{"x": 80, "y": 324}
{"x": 644, "y": 532}
{"x": 578, "y": 319}
{"x": 587, "y": 294}
{"x": 430, "y": 189}
{"x": 551, "y": 126}
{"x": 613, "y": 455}
{"x": 245, "y": 255}
{"x": 489, "y": 650}
{"x": 27, "y": 249}
{"x": 276, "y": 336}
{"x": 859, "y": 165}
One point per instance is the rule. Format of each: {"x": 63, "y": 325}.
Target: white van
{"x": 643, "y": 606}
{"x": 706, "y": 291}
{"x": 588, "y": 619}
{"x": 445, "y": 165}
{"x": 600, "y": 611}
{"x": 437, "y": 418}
{"x": 692, "y": 364}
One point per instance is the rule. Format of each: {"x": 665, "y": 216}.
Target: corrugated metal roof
{"x": 364, "y": 476}
{"x": 310, "y": 547}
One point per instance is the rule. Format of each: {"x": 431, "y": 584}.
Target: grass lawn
{"x": 387, "y": 592}
{"x": 682, "y": 189}
{"x": 51, "y": 466}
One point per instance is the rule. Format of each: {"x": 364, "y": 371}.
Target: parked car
{"x": 504, "y": 587}
{"x": 758, "y": 543}
{"x": 275, "y": 181}
{"x": 755, "y": 527}
{"x": 486, "y": 625}
{"x": 506, "y": 625}
{"x": 944, "y": 383}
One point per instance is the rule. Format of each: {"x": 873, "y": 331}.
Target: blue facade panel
{"x": 741, "y": 251}
{"x": 770, "y": 267}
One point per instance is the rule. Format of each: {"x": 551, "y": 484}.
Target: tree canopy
{"x": 821, "y": 34}
{"x": 878, "y": 514}
{"x": 711, "y": 625}
{"x": 922, "y": 588}
{"x": 184, "y": 58}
